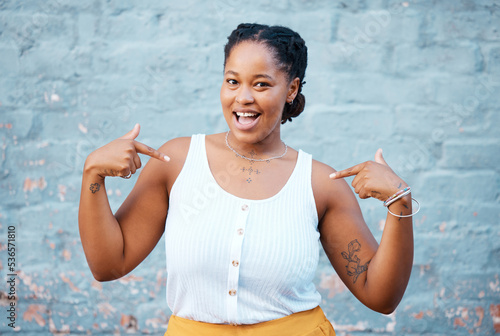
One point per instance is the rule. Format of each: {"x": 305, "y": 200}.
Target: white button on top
{"x": 244, "y": 207}
{"x": 240, "y": 231}
{"x": 232, "y": 292}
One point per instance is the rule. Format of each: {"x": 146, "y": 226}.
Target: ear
{"x": 293, "y": 90}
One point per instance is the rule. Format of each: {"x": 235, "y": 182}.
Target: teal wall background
{"x": 421, "y": 79}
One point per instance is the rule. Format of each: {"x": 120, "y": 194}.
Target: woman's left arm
{"x": 376, "y": 275}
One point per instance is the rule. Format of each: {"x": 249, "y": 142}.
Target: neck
{"x": 270, "y": 146}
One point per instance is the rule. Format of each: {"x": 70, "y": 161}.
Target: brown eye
{"x": 262, "y": 84}
{"x": 231, "y": 82}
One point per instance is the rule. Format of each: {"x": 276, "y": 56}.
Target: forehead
{"x": 252, "y": 56}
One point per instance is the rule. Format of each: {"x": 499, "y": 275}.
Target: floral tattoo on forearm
{"x": 94, "y": 187}
{"x": 353, "y": 266}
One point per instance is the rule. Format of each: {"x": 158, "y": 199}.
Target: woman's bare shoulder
{"x": 159, "y": 171}
{"x": 319, "y": 167}
{"x": 326, "y": 191}
{"x": 176, "y": 147}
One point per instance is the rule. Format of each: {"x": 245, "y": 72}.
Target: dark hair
{"x": 289, "y": 50}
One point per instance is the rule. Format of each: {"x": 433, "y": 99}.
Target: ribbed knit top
{"x": 238, "y": 261}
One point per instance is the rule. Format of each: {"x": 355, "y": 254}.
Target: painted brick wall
{"x": 420, "y": 79}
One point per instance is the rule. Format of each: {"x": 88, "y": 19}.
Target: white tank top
{"x": 237, "y": 261}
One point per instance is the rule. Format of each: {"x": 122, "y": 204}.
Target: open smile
{"x": 245, "y": 120}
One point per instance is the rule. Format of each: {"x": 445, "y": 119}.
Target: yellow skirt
{"x": 307, "y": 323}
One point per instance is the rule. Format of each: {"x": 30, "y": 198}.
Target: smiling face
{"x": 254, "y": 92}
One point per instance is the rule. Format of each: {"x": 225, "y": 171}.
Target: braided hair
{"x": 289, "y": 50}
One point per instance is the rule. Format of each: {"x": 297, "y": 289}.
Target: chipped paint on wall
{"x": 333, "y": 284}
{"x": 34, "y": 312}
{"x": 495, "y": 316}
{"x": 65, "y": 279}
{"x": 31, "y": 184}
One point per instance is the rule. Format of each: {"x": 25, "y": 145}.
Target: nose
{"x": 244, "y": 96}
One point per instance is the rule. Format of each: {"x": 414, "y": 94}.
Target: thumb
{"x": 131, "y": 135}
{"x": 379, "y": 158}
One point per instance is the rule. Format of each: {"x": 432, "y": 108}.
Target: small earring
{"x": 291, "y": 103}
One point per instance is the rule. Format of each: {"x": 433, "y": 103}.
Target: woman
{"x": 243, "y": 212}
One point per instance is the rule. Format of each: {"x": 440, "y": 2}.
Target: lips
{"x": 245, "y": 120}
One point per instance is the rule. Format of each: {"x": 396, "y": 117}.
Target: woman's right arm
{"x": 115, "y": 244}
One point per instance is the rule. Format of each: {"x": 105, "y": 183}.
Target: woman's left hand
{"x": 373, "y": 178}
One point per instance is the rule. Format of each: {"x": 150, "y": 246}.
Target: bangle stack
{"x": 400, "y": 194}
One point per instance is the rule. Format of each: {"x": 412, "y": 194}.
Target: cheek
{"x": 275, "y": 102}
{"x": 225, "y": 97}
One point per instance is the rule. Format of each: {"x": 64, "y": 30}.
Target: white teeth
{"x": 246, "y": 114}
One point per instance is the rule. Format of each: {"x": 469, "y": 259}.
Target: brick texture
{"x": 420, "y": 79}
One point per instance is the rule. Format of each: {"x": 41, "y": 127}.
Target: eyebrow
{"x": 234, "y": 73}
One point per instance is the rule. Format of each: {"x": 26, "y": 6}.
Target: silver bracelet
{"x": 390, "y": 201}
{"x": 410, "y": 215}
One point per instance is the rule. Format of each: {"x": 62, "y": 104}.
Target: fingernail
{"x": 166, "y": 158}
{"x": 332, "y": 175}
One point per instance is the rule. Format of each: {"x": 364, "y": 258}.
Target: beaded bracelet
{"x": 397, "y": 196}
{"x": 410, "y": 215}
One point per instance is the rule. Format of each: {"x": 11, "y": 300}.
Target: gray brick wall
{"x": 420, "y": 79}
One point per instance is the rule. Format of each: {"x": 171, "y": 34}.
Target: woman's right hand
{"x": 120, "y": 157}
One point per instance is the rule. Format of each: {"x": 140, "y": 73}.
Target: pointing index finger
{"x": 354, "y": 170}
{"x": 144, "y": 149}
